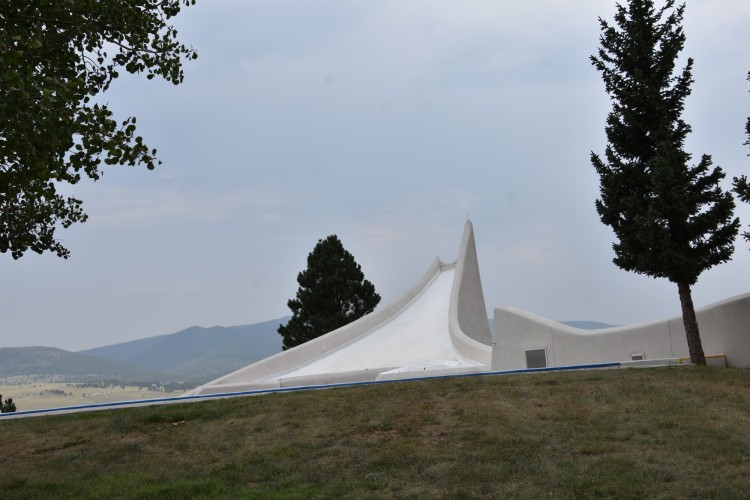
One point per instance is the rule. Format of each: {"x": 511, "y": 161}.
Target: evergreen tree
{"x": 741, "y": 185}
{"x": 332, "y": 292}
{"x": 7, "y": 406}
{"x": 672, "y": 220}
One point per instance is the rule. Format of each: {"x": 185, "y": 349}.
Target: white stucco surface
{"x": 723, "y": 330}
{"x": 416, "y": 339}
{"x": 438, "y": 326}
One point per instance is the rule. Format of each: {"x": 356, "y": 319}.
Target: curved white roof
{"x": 417, "y": 338}
{"x": 438, "y": 326}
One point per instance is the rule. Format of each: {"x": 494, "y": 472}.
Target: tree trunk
{"x": 691, "y": 325}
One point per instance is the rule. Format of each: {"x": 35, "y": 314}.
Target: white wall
{"x": 724, "y": 327}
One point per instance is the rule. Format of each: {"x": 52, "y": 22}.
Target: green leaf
{"x": 49, "y": 79}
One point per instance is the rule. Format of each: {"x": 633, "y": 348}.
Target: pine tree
{"x": 332, "y": 292}
{"x": 672, "y": 220}
{"x": 741, "y": 184}
{"x": 7, "y": 406}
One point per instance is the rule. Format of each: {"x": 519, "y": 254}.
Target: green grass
{"x": 640, "y": 433}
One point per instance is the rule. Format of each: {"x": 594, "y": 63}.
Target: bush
{"x": 7, "y": 406}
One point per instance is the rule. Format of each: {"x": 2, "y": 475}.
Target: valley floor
{"x": 43, "y": 395}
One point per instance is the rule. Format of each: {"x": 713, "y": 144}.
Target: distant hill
{"x": 198, "y": 354}
{"x": 51, "y": 363}
{"x": 588, "y": 325}
{"x": 584, "y": 325}
{"x": 195, "y": 355}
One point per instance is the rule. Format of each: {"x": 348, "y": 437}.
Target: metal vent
{"x": 536, "y": 358}
{"x": 638, "y": 356}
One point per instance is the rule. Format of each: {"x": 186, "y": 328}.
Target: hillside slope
{"x": 635, "y": 433}
{"x": 64, "y": 366}
{"x": 199, "y": 354}
{"x": 195, "y": 355}
{"x": 582, "y": 324}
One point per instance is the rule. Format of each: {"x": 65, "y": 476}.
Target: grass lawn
{"x": 637, "y": 433}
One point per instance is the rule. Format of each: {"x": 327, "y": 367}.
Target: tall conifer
{"x": 741, "y": 184}
{"x": 672, "y": 219}
{"x": 332, "y": 293}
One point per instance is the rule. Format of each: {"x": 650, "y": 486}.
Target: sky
{"x": 387, "y": 123}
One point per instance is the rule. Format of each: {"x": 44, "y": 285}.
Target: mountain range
{"x": 56, "y": 365}
{"x": 199, "y": 354}
{"x": 195, "y": 356}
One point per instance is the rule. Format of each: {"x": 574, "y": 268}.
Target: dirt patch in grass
{"x": 375, "y": 434}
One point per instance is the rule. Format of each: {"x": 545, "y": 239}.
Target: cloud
{"x": 384, "y": 122}
{"x": 153, "y": 206}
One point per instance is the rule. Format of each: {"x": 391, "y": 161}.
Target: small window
{"x": 637, "y": 356}
{"x": 536, "y": 358}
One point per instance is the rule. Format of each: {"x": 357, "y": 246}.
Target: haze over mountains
{"x": 32, "y": 364}
{"x": 195, "y": 355}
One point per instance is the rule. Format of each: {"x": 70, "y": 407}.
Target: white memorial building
{"x": 440, "y": 327}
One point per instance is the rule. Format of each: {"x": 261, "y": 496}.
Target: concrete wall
{"x": 247, "y": 378}
{"x": 724, "y": 329}
{"x": 468, "y": 328}
{"x": 468, "y": 322}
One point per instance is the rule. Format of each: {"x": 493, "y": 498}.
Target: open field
{"x": 638, "y": 433}
{"x": 41, "y": 395}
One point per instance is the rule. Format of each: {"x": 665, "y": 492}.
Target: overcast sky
{"x": 385, "y": 122}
